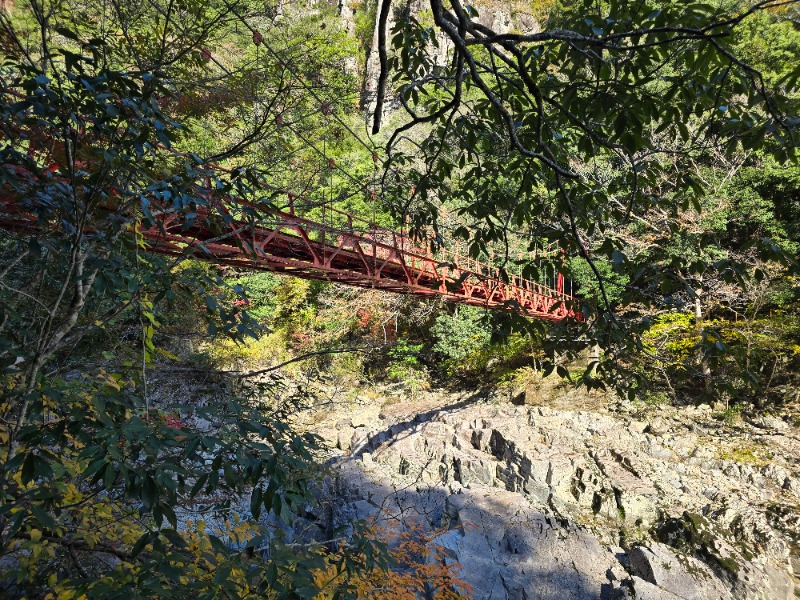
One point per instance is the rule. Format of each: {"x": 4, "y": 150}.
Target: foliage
{"x": 598, "y": 133}
{"x": 95, "y": 495}
{"x": 417, "y": 567}
{"x": 84, "y": 269}
{"x": 768, "y": 43}
{"x": 406, "y": 367}
{"x": 364, "y": 13}
{"x": 460, "y": 336}
{"x": 259, "y": 290}
{"x": 585, "y": 282}
{"x": 248, "y": 354}
{"x": 774, "y": 189}
{"x": 750, "y": 360}
{"x": 97, "y": 479}
{"x": 464, "y": 345}
{"x": 745, "y": 453}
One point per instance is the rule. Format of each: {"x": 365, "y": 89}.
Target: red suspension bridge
{"x": 343, "y": 248}
{"x": 355, "y": 252}
{"x": 248, "y": 235}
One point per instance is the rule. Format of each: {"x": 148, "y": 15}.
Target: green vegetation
{"x": 751, "y": 360}
{"x": 106, "y": 491}
{"x": 406, "y": 367}
{"x": 694, "y": 535}
{"x": 751, "y": 454}
{"x": 462, "y": 340}
{"x": 646, "y": 148}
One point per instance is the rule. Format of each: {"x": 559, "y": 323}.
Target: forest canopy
{"x": 614, "y": 130}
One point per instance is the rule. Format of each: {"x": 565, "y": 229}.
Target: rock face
{"x": 686, "y": 577}
{"x": 534, "y": 502}
{"x": 508, "y": 549}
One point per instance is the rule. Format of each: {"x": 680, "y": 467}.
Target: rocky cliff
{"x": 607, "y": 502}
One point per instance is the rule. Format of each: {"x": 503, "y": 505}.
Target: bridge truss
{"x": 352, "y": 252}
{"x": 343, "y": 249}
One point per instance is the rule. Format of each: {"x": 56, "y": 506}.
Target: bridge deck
{"x": 251, "y": 236}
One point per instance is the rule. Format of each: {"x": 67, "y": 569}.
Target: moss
{"x": 750, "y": 454}
{"x": 697, "y": 521}
{"x": 728, "y": 563}
{"x": 692, "y": 535}
{"x": 746, "y": 554}
{"x": 731, "y": 415}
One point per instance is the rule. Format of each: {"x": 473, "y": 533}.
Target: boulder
{"x": 644, "y": 590}
{"x": 683, "y": 576}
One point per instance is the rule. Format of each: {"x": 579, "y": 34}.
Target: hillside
{"x": 399, "y": 300}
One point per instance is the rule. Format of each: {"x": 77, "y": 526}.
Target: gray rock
{"x": 683, "y": 576}
{"x": 511, "y": 484}
{"x": 359, "y": 440}
{"x": 344, "y": 438}
{"x": 781, "y": 586}
{"x": 203, "y": 424}
{"x": 658, "y": 426}
{"x": 770, "y": 423}
{"x": 644, "y": 590}
{"x": 777, "y": 475}
{"x": 506, "y": 549}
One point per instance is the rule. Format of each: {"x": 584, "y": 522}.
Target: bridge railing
{"x": 388, "y": 245}
{"x": 232, "y": 240}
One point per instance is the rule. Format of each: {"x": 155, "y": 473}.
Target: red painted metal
{"x": 344, "y": 249}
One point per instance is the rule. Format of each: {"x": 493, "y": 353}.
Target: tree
{"x": 598, "y": 121}
{"x": 97, "y": 480}
{"x": 605, "y": 113}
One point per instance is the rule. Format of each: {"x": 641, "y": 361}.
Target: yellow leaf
{"x": 36, "y": 535}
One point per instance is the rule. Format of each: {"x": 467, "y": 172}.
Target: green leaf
{"x": 141, "y": 543}
{"x": 256, "y": 500}
{"x": 149, "y": 491}
{"x": 35, "y": 467}
{"x": 43, "y": 517}
{"x": 28, "y": 468}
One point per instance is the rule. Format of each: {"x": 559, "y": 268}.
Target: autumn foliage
{"x": 417, "y": 568}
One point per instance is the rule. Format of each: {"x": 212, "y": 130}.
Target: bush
{"x": 405, "y": 366}
{"x": 463, "y": 340}
{"x": 259, "y": 289}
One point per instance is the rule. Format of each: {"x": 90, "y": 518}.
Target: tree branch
{"x": 385, "y": 7}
